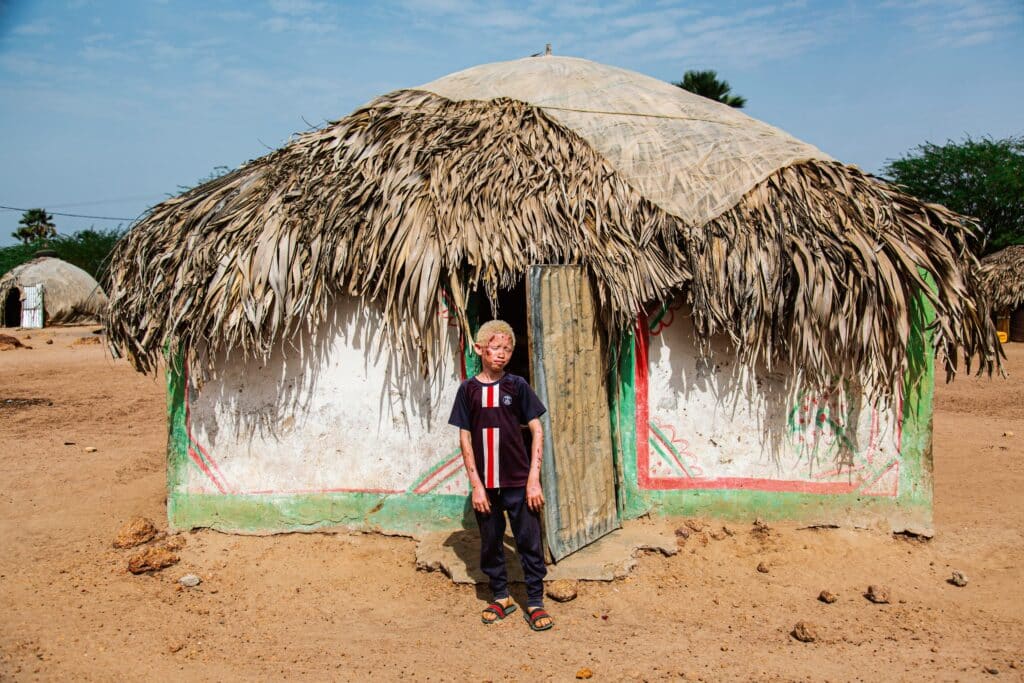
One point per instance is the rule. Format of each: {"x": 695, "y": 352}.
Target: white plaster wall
{"x": 339, "y": 412}
{"x": 717, "y": 423}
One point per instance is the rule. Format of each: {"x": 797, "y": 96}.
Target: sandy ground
{"x": 345, "y": 606}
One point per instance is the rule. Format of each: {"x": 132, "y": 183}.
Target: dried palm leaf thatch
{"x": 819, "y": 265}
{"x": 406, "y": 197}
{"x": 415, "y": 195}
{"x": 1003, "y": 277}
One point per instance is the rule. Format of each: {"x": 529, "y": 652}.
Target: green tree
{"x": 707, "y": 84}
{"x": 89, "y": 250}
{"x": 982, "y": 178}
{"x": 35, "y": 224}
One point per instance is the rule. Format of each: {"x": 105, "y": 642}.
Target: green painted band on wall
{"x": 402, "y": 513}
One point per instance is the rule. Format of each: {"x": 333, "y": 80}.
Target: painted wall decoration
{"x": 706, "y": 424}
{"x": 347, "y": 416}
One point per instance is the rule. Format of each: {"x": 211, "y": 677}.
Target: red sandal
{"x": 499, "y": 611}
{"x": 536, "y": 615}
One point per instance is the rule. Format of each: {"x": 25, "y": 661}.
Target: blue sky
{"x": 108, "y": 107}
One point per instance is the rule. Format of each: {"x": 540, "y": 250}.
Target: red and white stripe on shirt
{"x": 489, "y": 396}
{"x": 491, "y": 449}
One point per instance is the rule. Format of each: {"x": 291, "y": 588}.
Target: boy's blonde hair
{"x": 491, "y": 328}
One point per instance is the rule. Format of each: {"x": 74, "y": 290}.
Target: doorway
{"x": 511, "y": 305}
{"x": 12, "y": 308}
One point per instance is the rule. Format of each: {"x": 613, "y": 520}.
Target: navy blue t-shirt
{"x": 492, "y": 413}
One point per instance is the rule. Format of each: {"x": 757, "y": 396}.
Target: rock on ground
{"x": 151, "y": 559}
{"x": 7, "y": 342}
{"x": 958, "y": 579}
{"x": 878, "y": 594}
{"x": 805, "y": 632}
{"x": 563, "y": 591}
{"x": 827, "y": 597}
{"x": 762, "y": 567}
{"x": 190, "y": 581}
{"x": 136, "y": 532}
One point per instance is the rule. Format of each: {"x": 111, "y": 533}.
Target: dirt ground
{"x": 348, "y": 605}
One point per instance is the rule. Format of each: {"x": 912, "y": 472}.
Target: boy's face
{"x": 496, "y": 354}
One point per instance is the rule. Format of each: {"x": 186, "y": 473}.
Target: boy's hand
{"x": 534, "y": 495}
{"x": 480, "y": 502}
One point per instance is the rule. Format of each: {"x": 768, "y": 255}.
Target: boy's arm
{"x": 534, "y": 492}
{"x": 480, "y": 501}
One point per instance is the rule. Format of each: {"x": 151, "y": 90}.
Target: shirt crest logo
{"x": 506, "y": 400}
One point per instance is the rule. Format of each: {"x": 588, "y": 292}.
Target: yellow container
{"x": 1003, "y": 337}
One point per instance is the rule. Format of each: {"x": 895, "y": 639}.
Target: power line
{"x": 71, "y": 215}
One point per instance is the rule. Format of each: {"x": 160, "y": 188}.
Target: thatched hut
{"x": 722, "y": 318}
{"x": 1003, "y": 282}
{"x": 69, "y": 294}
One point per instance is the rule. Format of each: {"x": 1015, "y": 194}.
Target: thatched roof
{"x": 1003, "y": 277}
{"x": 465, "y": 182}
{"x": 70, "y": 295}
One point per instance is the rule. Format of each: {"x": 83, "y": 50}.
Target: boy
{"x": 488, "y": 411}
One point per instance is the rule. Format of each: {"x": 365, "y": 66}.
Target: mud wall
{"x": 337, "y": 428}
{"x": 697, "y": 435}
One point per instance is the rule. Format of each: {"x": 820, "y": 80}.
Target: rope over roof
{"x": 418, "y": 194}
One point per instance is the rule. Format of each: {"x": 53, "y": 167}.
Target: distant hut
{"x": 69, "y": 294}
{"x": 722, "y": 319}
{"x": 1003, "y": 275}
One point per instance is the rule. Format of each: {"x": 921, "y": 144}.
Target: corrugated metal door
{"x": 566, "y": 364}
{"x": 32, "y": 306}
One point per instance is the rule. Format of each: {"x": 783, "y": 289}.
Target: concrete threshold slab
{"x": 457, "y": 554}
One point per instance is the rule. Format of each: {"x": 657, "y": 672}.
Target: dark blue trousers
{"x": 526, "y": 531}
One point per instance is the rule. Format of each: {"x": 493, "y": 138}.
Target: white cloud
{"x": 958, "y": 23}
{"x": 34, "y": 28}
{"x": 284, "y": 24}
{"x": 297, "y": 8}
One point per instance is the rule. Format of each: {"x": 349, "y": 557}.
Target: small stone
{"x": 727, "y": 531}
{"x": 683, "y": 533}
{"x": 958, "y": 579}
{"x": 804, "y": 632}
{"x": 86, "y": 341}
{"x": 584, "y": 673}
{"x": 760, "y": 528}
{"x": 91, "y": 449}
{"x": 49, "y": 341}
{"x": 696, "y": 525}
{"x": 762, "y": 567}
{"x": 190, "y": 581}
{"x": 717, "y": 535}
{"x": 151, "y": 559}
{"x": 827, "y": 597}
{"x": 562, "y": 590}
{"x": 175, "y": 647}
{"x": 175, "y": 543}
{"x": 1008, "y": 434}
{"x": 136, "y": 532}
{"x": 878, "y": 594}
{"x": 991, "y": 670}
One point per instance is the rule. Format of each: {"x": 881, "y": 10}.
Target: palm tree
{"x": 35, "y": 224}
{"x": 706, "y": 84}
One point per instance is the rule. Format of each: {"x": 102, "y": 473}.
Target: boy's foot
{"x": 497, "y": 610}
{"x": 538, "y": 619}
